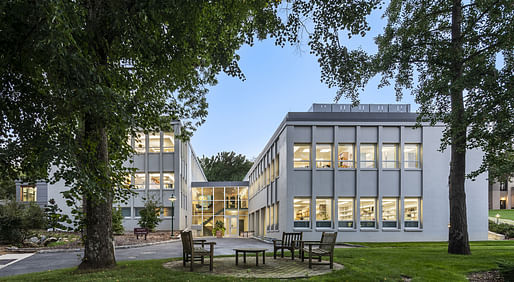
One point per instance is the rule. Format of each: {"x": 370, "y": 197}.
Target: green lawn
{"x": 506, "y": 214}
{"x": 379, "y": 261}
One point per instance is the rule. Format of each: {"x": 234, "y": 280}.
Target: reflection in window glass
{"x": 168, "y": 142}
{"x": 367, "y": 154}
{"x": 168, "y": 180}
{"x": 139, "y": 143}
{"x": 301, "y": 212}
{"x": 28, "y": 193}
{"x": 411, "y": 155}
{"x": 345, "y": 155}
{"x": 323, "y": 156}
{"x": 345, "y": 212}
{"x": 155, "y": 180}
{"x": 367, "y": 212}
{"x": 389, "y": 212}
{"x": 126, "y": 212}
{"x": 139, "y": 181}
{"x": 389, "y": 156}
{"x": 154, "y": 142}
{"x": 411, "y": 212}
{"x": 302, "y": 156}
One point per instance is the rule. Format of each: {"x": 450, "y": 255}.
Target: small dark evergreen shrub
{"x": 17, "y": 220}
{"x": 117, "y": 221}
{"x": 150, "y": 215}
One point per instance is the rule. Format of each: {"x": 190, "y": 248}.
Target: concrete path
{"x": 502, "y": 220}
{"x": 51, "y": 261}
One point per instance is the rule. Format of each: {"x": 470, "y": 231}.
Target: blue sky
{"x": 244, "y": 114}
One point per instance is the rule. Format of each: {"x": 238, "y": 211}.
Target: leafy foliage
{"x": 225, "y": 166}
{"x": 55, "y": 217}
{"x": 117, "y": 222}
{"x": 7, "y": 188}
{"x": 502, "y": 228}
{"x": 150, "y": 215}
{"x": 17, "y": 220}
{"x": 218, "y": 226}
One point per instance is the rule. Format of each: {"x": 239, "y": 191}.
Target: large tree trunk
{"x": 98, "y": 239}
{"x": 458, "y": 242}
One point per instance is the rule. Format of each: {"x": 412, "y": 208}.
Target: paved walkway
{"x": 51, "y": 261}
{"x": 280, "y": 268}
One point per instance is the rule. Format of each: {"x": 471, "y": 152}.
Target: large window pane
{"x": 324, "y": 213}
{"x": 126, "y": 212}
{"x": 301, "y": 212}
{"x": 155, "y": 180}
{"x": 323, "y": 156}
{"x": 389, "y": 156}
{"x": 219, "y": 194}
{"x": 346, "y": 155}
{"x": 302, "y": 155}
{"x": 28, "y": 193}
{"x": 139, "y": 181}
{"x": 389, "y": 212}
{"x": 168, "y": 180}
{"x": 139, "y": 143}
{"x": 368, "y": 155}
{"x": 277, "y": 170}
{"x": 231, "y": 197}
{"x": 411, "y": 155}
{"x": 367, "y": 212}
{"x": 208, "y": 194}
{"x": 345, "y": 212}
{"x": 243, "y": 197}
{"x": 154, "y": 142}
{"x": 411, "y": 212}
{"x": 168, "y": 142}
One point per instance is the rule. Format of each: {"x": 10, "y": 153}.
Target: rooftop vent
{"x": 366, "y": 108}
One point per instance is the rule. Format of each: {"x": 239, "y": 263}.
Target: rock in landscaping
{"x": 50, "y": 240}
{"x": 42, "y": 239}
{"x": 34, "y": 240}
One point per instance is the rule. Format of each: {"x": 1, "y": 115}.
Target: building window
{"x": 243, "y": 197}
{"x": 302, "y": 212}
{"x": 154, "y": 142}
{"x": 155, "y": 181}
{"x": 323, "y": 156}
{"x": 345, "y": 156}
{"x": 302, "y": 156}
{"x": 28, "y": 193}
{"x": 139, "y": 181}
{"x": 411, "y": 212}
{"x": 503, "y": 186}
{"x": 389, "y": 156}
{"x": 345, "y": 212}
{"x": 272, "y": 217}
{"x": 126, "y": 212}
{"x": 411, "y": 155}
{"x": 168, "y": 180}
{"x": 168, "y": 142}
{"x": 137, "y": 212}
{"x": 276, "y": 216}
{"x": 368, "y": 156}
{"x": 324, "y": 213}
{"x": 389, "y": 212}
{"x": 139, "y": 143}
{"x": 367, "y": 212}
{"x": 166, "y": 212}
{"x": 277, "y": 166}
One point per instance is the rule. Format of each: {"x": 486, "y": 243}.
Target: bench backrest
{"x": 289, "y": 238}
{"x": 187, "y": 241}
{"x": 328, "y": 238}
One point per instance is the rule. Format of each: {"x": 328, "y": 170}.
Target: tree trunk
{"x": 98, "y": 239}
{"x": 458, "y": 242}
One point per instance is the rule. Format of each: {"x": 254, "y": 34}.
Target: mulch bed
{"x": 486, "y": 276}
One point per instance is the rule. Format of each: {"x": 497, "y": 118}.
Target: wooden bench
{"x": 140, "y": 231}
{"x": 190, "y": 252}
{"x": 325, "y": 248}
{"x": 290, "y": 241}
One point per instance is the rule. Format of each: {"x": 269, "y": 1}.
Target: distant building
{"x": 501, "y": 195}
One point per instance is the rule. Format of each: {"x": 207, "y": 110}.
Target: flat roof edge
{"x": 219, "y": 183}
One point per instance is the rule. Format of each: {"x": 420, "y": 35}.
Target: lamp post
{"x": 497, "y": 218}
{"x": 172, "y": 200}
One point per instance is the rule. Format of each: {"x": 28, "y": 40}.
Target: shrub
{"x": 502, "y": 228}
{"x": 219, "y": 225}
{"x": 149, "y": 215}
{"x": 117, "y": 221}
{"x": 54, "y": 217}
{"x": 17, "y": 220}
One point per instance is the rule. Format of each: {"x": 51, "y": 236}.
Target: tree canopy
{"x": 225, "y": 166}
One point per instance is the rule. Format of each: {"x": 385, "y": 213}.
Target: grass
{"x": 378, "y": 261}
{"x": 505, "y": 214}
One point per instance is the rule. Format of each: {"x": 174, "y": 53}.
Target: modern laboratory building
{"x": 369, "y": 172}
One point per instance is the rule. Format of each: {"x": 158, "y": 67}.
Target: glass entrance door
{"x": 231, "y": 226}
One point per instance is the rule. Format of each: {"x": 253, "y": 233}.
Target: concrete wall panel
{"x": 413, "y": 135}
{"x": 368, "y": 183}
{"x": 324, "y": 183}
{"x": 324, "y": 134}
{"x": 368, "y": 134}
{"x": 412, "y": 183}
{"x": 390, "y": 183}
{"x": 390, "y": 134}
{"x": 345, "y": 180}
{"x": 346, "y": 134}
{"x": 301, "y": 182}
{"x": 302, "y": 134}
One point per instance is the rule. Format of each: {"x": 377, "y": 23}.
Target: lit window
{"x": 155, "y": 180}
{"x": 272, "y": 170}
{"x": 28, "y": 193}
{"x": 243, "y": 197}
{"x": 126, "y": 212}
{"x": 367, "y": 154}
{"x": 154, "y": 142}
{"x": 345, "y": 155}
{"x": 139, "y": 143}
{"x": 411, "y": 212}
{"x": 168, "y": 142}
{"x": 302, "y": 156}
{"x": 389, "y": 212}
{"x": 411, "y": 155}
{"x": 345, "y": 212}
{"x": 367, "y": 212}
{"x": 168, "y": 180}
{"x": 276, "y": 216}
{"x": 272, "y": 217}
{"x": 166, "y": 212}
{"x": 323, "y": 156}
{"x": 390, "y": 156}
{"x": 276, "y": 166}
{"x": 324, "y": 213}
{"x": 302, "y": 209}
{"x": 139, "y": 181}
